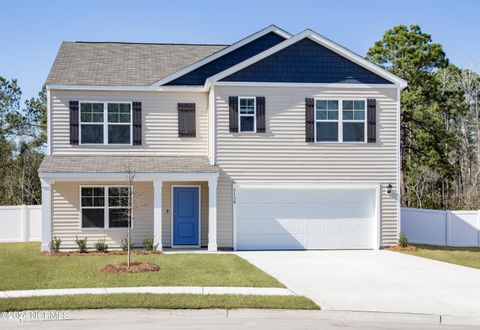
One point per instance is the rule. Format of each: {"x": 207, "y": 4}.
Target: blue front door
{"x": 185, "y": 216}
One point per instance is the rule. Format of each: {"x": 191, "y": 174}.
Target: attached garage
{"x": 283, "y": 217}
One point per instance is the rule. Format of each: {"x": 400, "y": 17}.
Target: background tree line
{"x": 440, "y": 127}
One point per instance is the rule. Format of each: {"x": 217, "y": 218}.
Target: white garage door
{"x": 304, "y": 218}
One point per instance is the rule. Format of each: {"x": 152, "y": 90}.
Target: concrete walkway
{"x": 151, "y": 289}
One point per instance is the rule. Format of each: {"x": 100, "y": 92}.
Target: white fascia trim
{"x": 195, "y": 89}
{"x": 238, "y": 44}
{"x": 54, "y": 177}
{"x": 322, "y": 41}
{"x": 316, "y": 85}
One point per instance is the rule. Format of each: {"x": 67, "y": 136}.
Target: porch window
{"x": 105, "y": 207}
{"x": 105, "y": 123}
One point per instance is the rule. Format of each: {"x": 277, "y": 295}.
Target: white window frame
{"x": 254, "y": 115}
{"x": 105, "y": 123}
{"x": 106, "y": 207}
{"x": 340, "y": 119}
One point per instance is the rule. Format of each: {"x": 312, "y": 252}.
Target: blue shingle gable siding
{"x": 199, "y": 75}
{"x": 306, "y": 62}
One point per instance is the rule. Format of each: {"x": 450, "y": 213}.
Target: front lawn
{"x": 23, "y": 267}
{"x": 469, "y": 257}
{"x": 170, "y": 301}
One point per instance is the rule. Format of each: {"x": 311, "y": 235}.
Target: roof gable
{"x": 199, "y": 75}
{"x": 306, "y": 61}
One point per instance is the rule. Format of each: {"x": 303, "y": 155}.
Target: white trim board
{"x": 238, "y": 44}
{"x": 303, "y": 85}
{"x": 192, "y": 89}
{"x": 320, "y": 40}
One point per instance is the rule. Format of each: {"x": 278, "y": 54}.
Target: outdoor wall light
{"x": 389, "y": 188}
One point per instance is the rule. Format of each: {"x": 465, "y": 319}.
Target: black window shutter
{"x": 260, "y": 114}
{"x": 186, "y": 120}
{"x": 137, "y": 123}
{"x": 233, "y": 113}
{"x": 309, "y": 120}
{"x": 371, "y": 120}
{"x": 74, "y": 117}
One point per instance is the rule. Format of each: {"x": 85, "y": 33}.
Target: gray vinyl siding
{"x": 281, "y": 155}
{"x": 159, "y": 123}
{"x": 66, "y": 214}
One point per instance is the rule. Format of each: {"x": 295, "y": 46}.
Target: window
{"x": 340, "y": 121}
{"x": 326, "y": 114}
{"x": 247, "y": 109}
{"x": 93, "y": 207}
{"x": 105, "y": 123}
{"x": 353, "y": 121}
{"x": 105, "y": 207}
{"x": 91, "y": 119}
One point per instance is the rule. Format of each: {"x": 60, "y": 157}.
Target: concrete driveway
{"x": 380, "y": 281}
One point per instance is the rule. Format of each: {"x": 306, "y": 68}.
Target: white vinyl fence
{"x": 448, "y": 228}
{"x": 21, "y": 223}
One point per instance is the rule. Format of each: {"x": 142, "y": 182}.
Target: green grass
{"x": 469, "y": 257}
{"x": 23, "y": 267}
{"x": 167, "y": 301}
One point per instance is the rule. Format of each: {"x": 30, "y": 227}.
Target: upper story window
{"x": 340, "y": 120}
{"x": 105, "y": 123}
{"x": 247, "y": 114}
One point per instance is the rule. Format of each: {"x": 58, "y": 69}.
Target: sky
{"x": 32, "y": 30}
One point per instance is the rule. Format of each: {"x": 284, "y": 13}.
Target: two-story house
{"x": 277, "y": 141}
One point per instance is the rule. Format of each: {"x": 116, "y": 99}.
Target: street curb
{"x": 360, "y": 316}
{"x": 205, "y": 290}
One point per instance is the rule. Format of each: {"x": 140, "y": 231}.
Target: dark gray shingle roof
{"x": 122, "y": 64}
{"x": 119, "y": 164}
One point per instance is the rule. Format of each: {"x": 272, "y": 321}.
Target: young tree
{"x": 132, "y": 206}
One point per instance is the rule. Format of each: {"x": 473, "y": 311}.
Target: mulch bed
{"x": 94, "y": 253}
{"x": 135, "y": 267}
{"x": 397, "y": 248}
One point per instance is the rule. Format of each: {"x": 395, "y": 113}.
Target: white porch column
{"x": 157, "y": 213}
{"x": 46, "y": 215}
{"x": 212, "y": 214}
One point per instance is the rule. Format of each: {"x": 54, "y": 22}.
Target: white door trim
{"x": 199, "y": 215}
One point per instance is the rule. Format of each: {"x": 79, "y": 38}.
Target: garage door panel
{"x": 343, "y": 210}
{"x": 305, "y": 219}
{"x": 271, "y": 242}
{"x": 360, "y": 196}
{"x": 267, "y": 226}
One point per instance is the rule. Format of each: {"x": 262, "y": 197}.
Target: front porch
{"x": 177, "y": 205}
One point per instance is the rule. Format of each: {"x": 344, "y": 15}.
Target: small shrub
{"x": 82, "y": 244}
{"x": 55, "y": 244}
{"x": 148, "y": 243}
{"x": 124, "y": 244}
{"x": 403, "y": 241}
{"x": 101, "y": 246}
